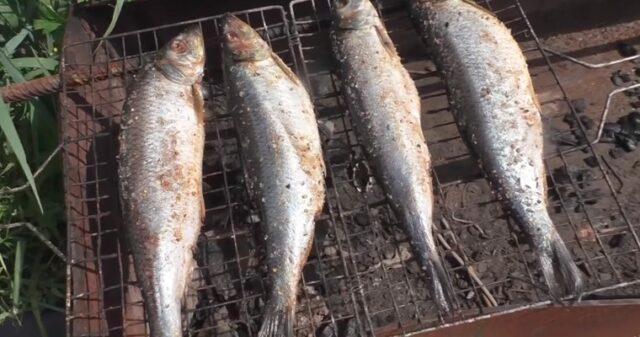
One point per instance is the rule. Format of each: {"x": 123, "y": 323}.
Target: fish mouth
{"x": 193, "y": 34}
{"x": 353, "y": 14}
{"x": 181, "y": 60}
{"x": 242, "y": 41}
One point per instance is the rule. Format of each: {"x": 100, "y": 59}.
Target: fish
{"x": 497, "y": 112}
{"x": 282, "y": 155}
{"x": 160, "y": 175}
{"x": 384, "y": 106}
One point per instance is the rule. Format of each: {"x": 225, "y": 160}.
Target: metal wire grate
{"x": 361, "y": 279}
{"x": 491, "y": 264}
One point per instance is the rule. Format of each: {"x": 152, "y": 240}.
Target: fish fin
{"x": 559, "y": 259}
{"x": 278, "y": 321}
{"x": 285, "y": 68}
{"x": 441, "y": 289}
{"x": 386, "y": 40}
{"x": 198, "y": 101}
{"x": 483, "y": 9}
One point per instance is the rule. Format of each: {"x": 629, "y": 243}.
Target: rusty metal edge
{"x": 539, "y": 305}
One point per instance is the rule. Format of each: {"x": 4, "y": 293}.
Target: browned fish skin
{"x": 280, "y": 146}
{"x": 160, "y": 172}
{"x": 497, "y": 111}
{"x": 385, "y": 108}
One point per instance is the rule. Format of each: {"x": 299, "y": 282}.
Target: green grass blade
{"x": 17, "y": 273}
{"x": 4, "y": 266}
{"x": 9, "y": 130}
{"x": 114, "y": 17}
{"x": 8, "y": 66}
{"x": 35, "y": 62}
{"x": 14, "y": 42}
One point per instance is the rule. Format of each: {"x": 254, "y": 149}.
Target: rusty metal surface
{"x": 349, "y": 281}
{"x": 609, "y": 318}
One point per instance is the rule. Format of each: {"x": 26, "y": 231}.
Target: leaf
{"x": 46, "y": 26}
{"x": 17, "y": 273}
{"x": 114, "y": 18}
{"x": 35, "y": 62}
{"x": 4, "y": 266}
{"x": 9, "y": 130}
{"x": 14, "y": 42}
{"x": 34, "y": 73}
{"x": 8, "y": 66}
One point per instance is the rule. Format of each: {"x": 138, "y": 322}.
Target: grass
{"x": 31, "y": 276}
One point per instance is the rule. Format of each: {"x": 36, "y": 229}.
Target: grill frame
{"x": 93, "y": 210}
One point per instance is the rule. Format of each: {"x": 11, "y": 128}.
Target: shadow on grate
{"x": 361, "y": 278}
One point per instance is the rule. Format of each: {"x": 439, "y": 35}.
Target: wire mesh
{"x": 361, "y": 278}
{"x": 476, "y": 236}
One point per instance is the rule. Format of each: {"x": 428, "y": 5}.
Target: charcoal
{"x": 361, "y": 219}
{"x": 587, "y": 122}
{"x": 617, "y": 240}
{"x": 616, "y": 153}
{"x": 619, "y": 78}
{"x": 568, "y": 118}
{"x": 634, "y": 119}
{"x": 627, "y": 142}
{"x": 567, "y": 139}
{"x": 580, "y": 104}
{"x": 626, "y": 49}
{"x": 338, "y": 156}
{"x": 632, "y": 93}
{"x": 591, "y": 161}
{"x": 611, "y": 128}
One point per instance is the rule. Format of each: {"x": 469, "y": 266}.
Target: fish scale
{"x": 497, "y": 112}
{"x": 282, "y": 156}
{"x": 160, "y": 176}
{"x": 384, "y": 106}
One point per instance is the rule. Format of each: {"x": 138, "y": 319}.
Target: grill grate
{"x": 360, "y": 279}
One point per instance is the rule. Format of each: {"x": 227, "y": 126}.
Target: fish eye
{"x": 232, "y": 36}
{"x": 179, "y": 46}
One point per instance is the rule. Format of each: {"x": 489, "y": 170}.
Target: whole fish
{"x": 280, "y": 146}
{"x": 497, "y": 111}
{"x": 385, "y": 109}
{"x": 160, "y": 171}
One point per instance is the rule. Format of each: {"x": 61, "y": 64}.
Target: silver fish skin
{"x": 281, "y": 151}
{"x": 385, "y": 109}
{"x": 497, "y": 111}
{"x": 160, "y": 176}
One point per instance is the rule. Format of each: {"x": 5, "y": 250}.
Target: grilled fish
{"x": 497, "y": 111}
{"x": 280, "y": 146}
{"x": 385, "y": 108}
{"x": 160, "y": 171}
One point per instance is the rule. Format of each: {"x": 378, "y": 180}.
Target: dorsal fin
{"x": 386, "y": 40}
{"x": 485, "y": 10}
{"x": 285, "y": 68}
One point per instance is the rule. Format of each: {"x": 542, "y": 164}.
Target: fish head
{"x": 354, "y": 14}
{"x": 181, "y": 60}
{"x": 241, "y": 42}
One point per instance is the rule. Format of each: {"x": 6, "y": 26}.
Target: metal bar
{"x": 607, "y": 105}
{"x": 590, "y": 64}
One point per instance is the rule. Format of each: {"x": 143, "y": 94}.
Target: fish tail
{"x": 559, "y": 259}
{"x": 442, "y": 292}
{"x": 278, "y": 320}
